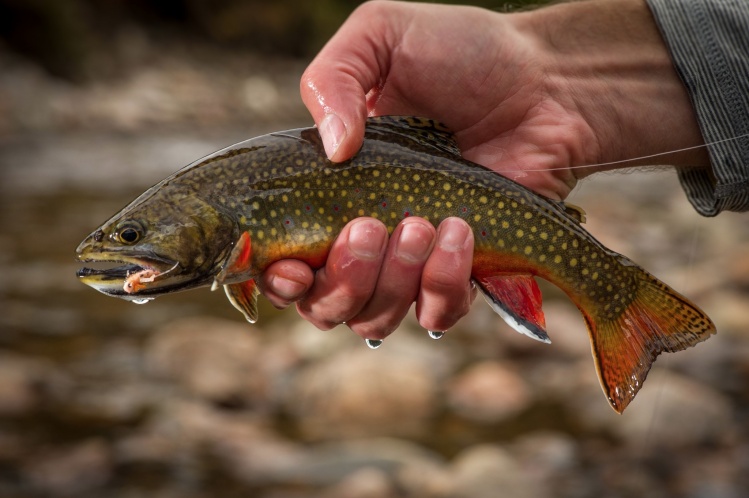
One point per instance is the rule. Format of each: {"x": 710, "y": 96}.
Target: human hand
{"x": 531, "y": 95}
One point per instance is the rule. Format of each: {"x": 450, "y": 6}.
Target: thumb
{"x": 338, "y": 108}
{"x": 335, "y": 84}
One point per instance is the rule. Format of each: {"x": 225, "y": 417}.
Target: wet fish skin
{"x": 226, "y": 217}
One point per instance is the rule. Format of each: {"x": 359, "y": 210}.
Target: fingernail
{"x": 286, "y": 288}
{"x": 414, "y": 242}
{"x": 333, "y": 132}
{"x": 452, "y": 235}
{"x": 365, "y": 240}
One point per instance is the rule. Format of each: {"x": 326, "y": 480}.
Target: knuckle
{"x": 442, "y": 281}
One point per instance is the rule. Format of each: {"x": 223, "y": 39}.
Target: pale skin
{"x": 531, "y": 95}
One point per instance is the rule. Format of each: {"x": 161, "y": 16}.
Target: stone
{"x": 367, "y": 482}
{"x": 671, "y": 410}
{"x": 70, "y": 471}
{"x": 488, "y": 392}
{"x": 360, "y": 392}
{"x": 487, "y": 471}
{"x": 212, "y": 358}
{"x": 22, "y": 384}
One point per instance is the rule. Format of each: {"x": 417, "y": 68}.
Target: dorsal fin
{"x": 575, "y": 211}
{"x": 422, "y": 130}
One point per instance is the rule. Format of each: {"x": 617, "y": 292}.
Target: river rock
{"x": 23, "y": 382}
{"x": 670, "y": 410}
{"x": 488, "y": 471}
{"x": 361, "y": 392}
{"x": 488, "y": 392}
{"x": 212, "y": 358}
{"x": 367, "y": 482}
{"x": 70, "y": 471}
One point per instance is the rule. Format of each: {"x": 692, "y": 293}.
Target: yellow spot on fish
{"x": 528, "y": 215}
{"x": 573, "y": 262}
{"x": 260, "y": 234}
{"x": 528, "y": 250}
{"x": 483, "y": 199}
{"x": 557, "y": 259}
{"x": 519, "y": 233}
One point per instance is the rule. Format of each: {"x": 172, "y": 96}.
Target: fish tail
{"x": 624, "y": 347}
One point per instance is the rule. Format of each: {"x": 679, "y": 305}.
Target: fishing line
{"x": 640, "y": 158}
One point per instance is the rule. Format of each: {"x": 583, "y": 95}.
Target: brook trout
{"x": 223, "y": 219}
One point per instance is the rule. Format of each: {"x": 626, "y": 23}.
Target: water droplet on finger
{"x": 436, "y": 334}
{"x": 373, "y": 343}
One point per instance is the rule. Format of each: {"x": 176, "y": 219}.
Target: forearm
{"x": 709, "y": 42}
{"x": 608, "y": 58}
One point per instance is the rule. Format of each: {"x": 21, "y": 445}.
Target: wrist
{"x": 606, "y": 60}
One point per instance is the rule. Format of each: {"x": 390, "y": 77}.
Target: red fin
{"x": 243, "y": 296}
{"x": 658, "y": 319}
{"x": 517, "y": 299}
{"x": 239, "y": 261}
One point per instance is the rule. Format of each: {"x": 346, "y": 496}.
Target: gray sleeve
{"x": 709, "y": 44}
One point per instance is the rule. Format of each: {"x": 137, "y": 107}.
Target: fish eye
{"x": 129, "y": 233}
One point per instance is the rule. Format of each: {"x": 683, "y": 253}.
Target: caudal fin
{"x": 658, "y": 319}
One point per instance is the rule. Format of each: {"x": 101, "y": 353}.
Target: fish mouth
{"x": 131, "y": 277}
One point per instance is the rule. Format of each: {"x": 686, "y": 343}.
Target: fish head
{"x": 156, "y": 245}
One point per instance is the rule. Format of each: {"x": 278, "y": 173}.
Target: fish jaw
{"x": 113, "y": 281}
{"x": 132, "y": 275}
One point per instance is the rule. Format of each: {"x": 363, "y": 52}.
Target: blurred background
{"x": 182, "y": 398}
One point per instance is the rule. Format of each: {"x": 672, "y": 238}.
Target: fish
{"x": 222, "y": 220}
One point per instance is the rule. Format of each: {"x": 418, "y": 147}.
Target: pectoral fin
{"x": 239, "y": 261}
{"x": 517, "y": 299}
{"x": 243, "y": 296}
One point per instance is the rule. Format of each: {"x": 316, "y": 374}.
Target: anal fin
{"x": 517, "y": 299}
{"x": 243, "y": 296}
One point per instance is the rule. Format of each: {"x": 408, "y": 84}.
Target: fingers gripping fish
{"x": 223, "y": 219}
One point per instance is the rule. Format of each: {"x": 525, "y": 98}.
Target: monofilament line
{"x": 659, "y": 154}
